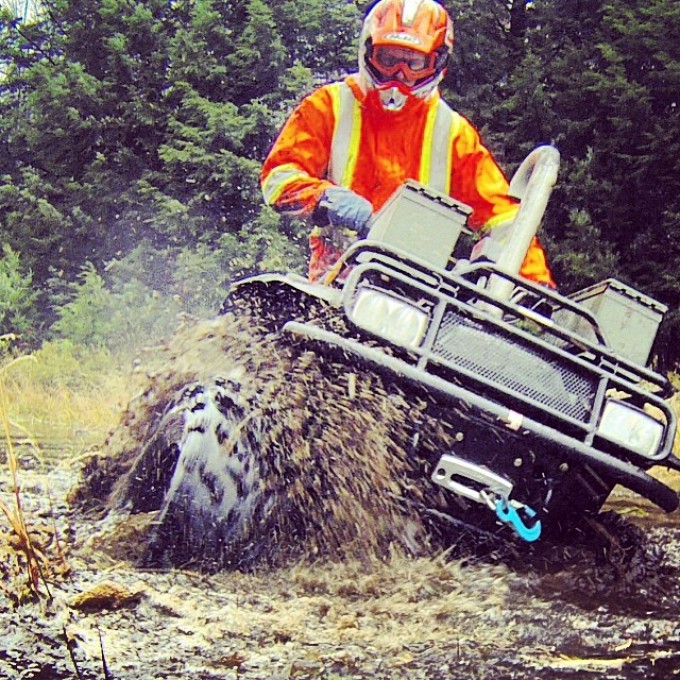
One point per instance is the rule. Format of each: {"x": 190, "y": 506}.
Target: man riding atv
{"x": 351, "y": 144}
{"x": 438, "y": 391}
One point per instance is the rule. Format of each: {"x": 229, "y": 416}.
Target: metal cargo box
{"x": 421, "y": 221}
{"x": 629, "y": 320}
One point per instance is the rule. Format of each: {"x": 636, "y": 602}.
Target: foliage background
{"x": 131, "y": 136}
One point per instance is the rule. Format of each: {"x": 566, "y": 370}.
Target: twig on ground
{"x": 15, "y": 516}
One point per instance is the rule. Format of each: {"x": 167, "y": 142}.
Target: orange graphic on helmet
{"x": 404, "y": 48}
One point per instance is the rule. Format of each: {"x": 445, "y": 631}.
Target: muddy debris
{"x": 318, "y": 456}
{"x": 395, "y": 617}
{"x": 353, "y": 581}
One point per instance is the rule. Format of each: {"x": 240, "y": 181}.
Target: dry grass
{"x": 398, "y": 602}
{"x": 61, "y": 391}
{"x": 675, "y": 405}
{"x": 17, "y": 550}
{"x": 35, "y": 404}
{"x": 388, "y": 606}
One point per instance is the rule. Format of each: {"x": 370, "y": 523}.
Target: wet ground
{"x": 582, "y": 617}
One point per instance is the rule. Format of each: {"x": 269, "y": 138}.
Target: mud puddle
{"x": 398, "y": 618}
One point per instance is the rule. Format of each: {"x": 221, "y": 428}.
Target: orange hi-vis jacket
{"x": 339, "y": 136}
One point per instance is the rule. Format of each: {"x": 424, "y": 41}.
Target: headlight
{"x": 631, "y": 427}
{"x": 389, "y": 317}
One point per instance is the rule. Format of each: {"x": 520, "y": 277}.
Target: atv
{"x": 422, "y": 388}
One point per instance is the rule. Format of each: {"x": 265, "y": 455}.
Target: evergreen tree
{"x": 145, "y": 123}
{"x": 134, "y": 132}
{"x": 17, "y": 298}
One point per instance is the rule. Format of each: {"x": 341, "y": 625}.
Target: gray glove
{"x": 347, "y": 209}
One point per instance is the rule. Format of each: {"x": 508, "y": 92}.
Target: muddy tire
{"x": 215, "y": 504}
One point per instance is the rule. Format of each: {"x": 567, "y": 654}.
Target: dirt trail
{"x": 398, "y": 618}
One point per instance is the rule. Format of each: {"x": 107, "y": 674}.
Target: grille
{"x": 527, "y": 372}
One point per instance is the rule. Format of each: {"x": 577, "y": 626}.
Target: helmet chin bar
{"x": 393, "y": 95}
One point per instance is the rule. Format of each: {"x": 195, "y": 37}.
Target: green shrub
{"x": 120, "y": 321}
{"x": 16, "y": 296}
{"x": 63, "y": 364}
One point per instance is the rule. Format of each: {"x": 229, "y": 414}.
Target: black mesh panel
{"x": 523, "y": 370}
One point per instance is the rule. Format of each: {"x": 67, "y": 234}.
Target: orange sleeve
{"x": 292, "y": 177}
{"x": 535, "y": 266}
{"x": 478, "y": 181}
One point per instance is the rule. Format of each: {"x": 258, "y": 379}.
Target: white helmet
{"x": 404, "y": 47}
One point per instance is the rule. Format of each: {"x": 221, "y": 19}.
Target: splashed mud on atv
{"x": 410, "y": 406}
{"x": 251, "y": 450}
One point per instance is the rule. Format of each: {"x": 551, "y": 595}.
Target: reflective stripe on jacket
{"x": 338, "y": 135}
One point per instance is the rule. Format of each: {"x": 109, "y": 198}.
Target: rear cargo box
{"x": 628, "y": 319}
{"x": 422, "y": 222}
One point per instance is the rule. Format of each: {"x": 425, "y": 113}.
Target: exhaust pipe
{"x": 507, "y": 245}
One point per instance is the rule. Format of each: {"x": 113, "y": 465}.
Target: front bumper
{"x": 616, "y": 469}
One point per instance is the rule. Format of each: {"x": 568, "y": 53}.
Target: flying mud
{"x": 244, "y": 449}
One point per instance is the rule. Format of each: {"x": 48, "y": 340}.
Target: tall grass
{"x": 675, "y": 405}
{"x": 66, "y": 391}
{"x": 33, "y": 559}
{"x": 58, "y": 391}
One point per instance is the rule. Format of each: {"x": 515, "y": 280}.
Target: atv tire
{"x": 214, "y": 509}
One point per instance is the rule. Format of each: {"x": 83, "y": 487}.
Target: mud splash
{"x": 273, "y": 452}
{"x": 319, "y": 455}
{"x": 346, "y": 591}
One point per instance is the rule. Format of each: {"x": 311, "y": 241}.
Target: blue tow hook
{"x": 509, "y": 514}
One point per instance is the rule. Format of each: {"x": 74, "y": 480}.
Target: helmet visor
{"x": 388, "y": 60}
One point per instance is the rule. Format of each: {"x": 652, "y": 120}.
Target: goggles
{"x": 388, "y": 60}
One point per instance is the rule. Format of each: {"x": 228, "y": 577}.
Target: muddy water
{"x": 631, "y": 624}
{"x": 575, "y": 617}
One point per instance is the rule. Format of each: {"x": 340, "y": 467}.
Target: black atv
{"x": 423, "y": 385}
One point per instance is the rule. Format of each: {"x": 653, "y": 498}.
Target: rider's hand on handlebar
{"x": 346, "y": 208}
